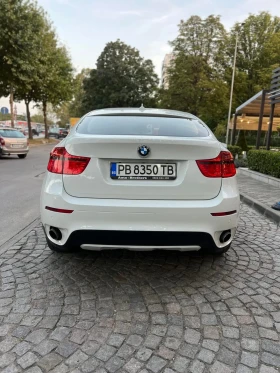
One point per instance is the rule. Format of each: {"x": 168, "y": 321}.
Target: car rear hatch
{"x": 14, "y": 140}
{"x": 108, "y": 151}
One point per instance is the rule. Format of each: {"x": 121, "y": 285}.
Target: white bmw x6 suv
{"x": 140, "y": 179}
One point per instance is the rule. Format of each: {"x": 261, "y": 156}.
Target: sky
{"x": 85, "y": 26}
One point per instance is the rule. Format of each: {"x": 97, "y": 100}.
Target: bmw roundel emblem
{"x": 143, "y": 150}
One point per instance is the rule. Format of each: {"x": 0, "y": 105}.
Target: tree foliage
{"x": 203, "y": 38}
{"x": 258, "y": 53}
{"x": 200, "y": 76}
{"x": 34, "y": 67}
{"x": 75, "y": 106}
{"x": 122, "y": 78}
{"x": 196, "y": 77}
{"x": 20, "y": 21}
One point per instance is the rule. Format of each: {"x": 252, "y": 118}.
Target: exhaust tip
{"x": 55, "y": 233}
{"x": 225, "y": 236}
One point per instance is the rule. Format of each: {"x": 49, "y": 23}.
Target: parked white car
{"x": 140, "y": 179}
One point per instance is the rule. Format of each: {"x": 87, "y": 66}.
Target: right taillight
{"x": 61, "y": 162}
{"x": 2, "y": 141}
{"x": 221, "y": 166}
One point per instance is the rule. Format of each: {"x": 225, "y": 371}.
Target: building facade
{"x": 164, "y": 71}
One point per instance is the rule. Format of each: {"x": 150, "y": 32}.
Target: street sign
{"x": 4, "y": 110}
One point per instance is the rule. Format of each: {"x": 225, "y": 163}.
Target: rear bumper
{"x": 6, "y": 151}
{"x": 141, "y": 223}
{"x": 139, "y": 240}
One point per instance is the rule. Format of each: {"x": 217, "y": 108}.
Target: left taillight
{"x": 2, "y": 141}
{"x": 222, "y": 166}
{"x": 61, "y": 162}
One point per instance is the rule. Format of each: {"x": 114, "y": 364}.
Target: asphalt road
{"x": 20, "y": 184}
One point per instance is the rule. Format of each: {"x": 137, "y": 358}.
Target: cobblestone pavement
{"x": 258, "y": 190}
{"x": 143, "y": 312}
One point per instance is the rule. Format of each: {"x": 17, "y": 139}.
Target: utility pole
{"x": 231, "y": 89}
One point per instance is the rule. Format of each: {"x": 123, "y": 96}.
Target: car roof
{"x": 141, "y": 111}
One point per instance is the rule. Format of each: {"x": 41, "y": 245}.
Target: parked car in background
{"x": 24, "y": 132}
{"x": 63, "y": 132}
{"x": 58, "y": 133}
{"x": 13, "y": 142}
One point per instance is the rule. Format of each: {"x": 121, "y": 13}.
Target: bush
{"x": 241, "y": 142}
{"x": 264, "y": 161}
{"x": 235, "y": 150}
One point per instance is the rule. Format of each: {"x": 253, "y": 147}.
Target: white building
{"x": 164, "y": 71}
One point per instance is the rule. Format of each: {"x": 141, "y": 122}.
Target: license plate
{"x": 17, "y": 146}
{"x": 143, "y": 171}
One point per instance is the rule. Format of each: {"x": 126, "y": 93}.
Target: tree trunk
{"x": 12, "y": 107}
{"x": 45, "y": 119}
{"x": 28, "y": 120}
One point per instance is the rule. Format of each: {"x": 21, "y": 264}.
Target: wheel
{"x": 59, "y": 249}
{"x": 22, "y": 156}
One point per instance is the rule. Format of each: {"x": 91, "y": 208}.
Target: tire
{"x": 22, "y": 156}
{"x": 59, "y": 249}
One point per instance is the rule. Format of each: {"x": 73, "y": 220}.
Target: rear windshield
{"x": 11, "y": 134}
{"x": 142, "y": 126}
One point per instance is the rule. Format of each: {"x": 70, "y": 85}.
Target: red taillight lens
{"x": 61, "y": 162}
{"x": 2, "y": 141}
{"x": 56, "y": 161}
{"x": 223, "y": 213}
{"x": 228, "y": 167}
{"x": 221, "y": 166}
{"x": 62, "y": 211}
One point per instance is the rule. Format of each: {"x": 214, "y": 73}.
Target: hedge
{"x": 234, "y": 150}
{"x": 264, "y": 161}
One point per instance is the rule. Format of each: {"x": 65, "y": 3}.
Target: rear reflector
{"x": 223, "y": 213}
{"x": 62, "y": 211}
{"x": 61, "y": 162}
{"x": 222, "y": 166}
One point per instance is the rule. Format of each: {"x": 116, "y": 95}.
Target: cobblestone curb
{"x": 261, "y": 207}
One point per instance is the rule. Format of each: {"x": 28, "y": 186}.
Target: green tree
{"x": 195, "y": 87}
{"x": 196, "y": 77}
{"x": 37, "y": 118}
{"x": 258, "y": 54}
{"x": 122, "y": 78}
{"x": 204, "y": 38}
{"x": 57, "y": 80}
{"x": 63, "y": 114}
{"x": 75, "y": 106}
{"x": 20, "y": 21}
{"x": 40, "y": 118}
{"x": 53, "y": 79}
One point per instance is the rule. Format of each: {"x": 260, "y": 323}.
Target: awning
{"x": 252, "y": 106}
{"x": 248, "y": 114}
